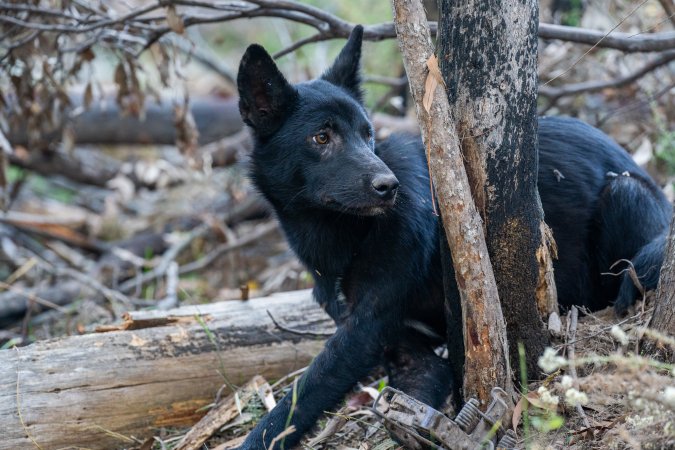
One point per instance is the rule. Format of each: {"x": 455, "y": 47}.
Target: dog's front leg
{"x": 349, "y": 355}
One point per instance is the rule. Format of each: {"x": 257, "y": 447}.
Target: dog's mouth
{"x": 369, "y": 209}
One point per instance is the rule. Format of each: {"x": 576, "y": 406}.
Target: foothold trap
{"x": 418, "y": 426}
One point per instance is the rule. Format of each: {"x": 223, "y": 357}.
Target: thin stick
{"x": 597, "y": 43}
{"x": 294, "y": 331}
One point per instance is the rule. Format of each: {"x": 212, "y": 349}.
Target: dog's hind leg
{"x": 632, "y": 223}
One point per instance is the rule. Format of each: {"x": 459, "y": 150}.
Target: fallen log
{"x": 157, "y": 369}
{"x": 104, "y": 123}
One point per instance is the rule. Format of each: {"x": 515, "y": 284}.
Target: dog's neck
{"x": 336, "y": 238}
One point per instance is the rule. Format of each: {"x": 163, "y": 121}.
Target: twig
{"x": 636, "y": 104}
{"x": 574, "y": 317}
{"x": 222, "y": 249}
{"x": 203, "y": 57}
{"x": 603, "y": 330}
{"x": 288, "y": 376}
{"x": 112, "y": 295}
{"x": 625, "y": 42}
{"x": 294, "y": 331}
{"x": 167, "y": 258}
{"x": 555, "y": 93}
{"x": 597, "y": 43}
{"x": 149, "y": 28}
{"x": 170, "y": 300}
{"x": 199, "y": 264}
{"x": 669, "y": 8}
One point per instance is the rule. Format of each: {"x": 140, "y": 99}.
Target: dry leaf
{"x": 87, "y": 54}
{"x": 434, "y": 78}
{"x": 534, "y": 400}
{"x": 187, "y": 134}
{"x": 174, "y": 20}
{"x": 88, "y": 96}
{"x": 517, "y": 413}
{"x": 644, "y": 153}
{"x": 68, "y": 139}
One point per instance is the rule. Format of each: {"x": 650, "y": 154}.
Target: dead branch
{"x": 170, "y": 255}
{"x": 136, "y": 30}
{"x": 221, "y": 413}
{"x": 104, "y": 122}
{"x": 629, "y": 43}
{"x": 554, "y": 93}
{"x": 157, "y": 369}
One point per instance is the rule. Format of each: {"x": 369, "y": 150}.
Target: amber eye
{"x": 321, "y": 138}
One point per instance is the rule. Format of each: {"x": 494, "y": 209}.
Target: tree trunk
{"x": 663, "y": 320}
{"x": 486, "y": 363}
{"x": 93, "y": 391}
{"x": 488, "y": 59}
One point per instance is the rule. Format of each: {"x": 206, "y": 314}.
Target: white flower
{"x": 566, "y": 382}
{"x": 574, "y": 397}
{"x": 550, "y": 361}
{"x": 619, "y": 335}
{"x": 669, "y": 396}
{"x": 547, "y": 398}
{"x": 638, "y": 421}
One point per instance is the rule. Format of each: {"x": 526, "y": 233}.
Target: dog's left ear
{"x": 265, "y": 97}
{"x": 346, "y": 70}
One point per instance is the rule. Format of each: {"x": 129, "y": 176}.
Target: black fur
{"x": 359, "y": 217}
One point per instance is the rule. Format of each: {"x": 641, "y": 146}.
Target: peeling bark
{"x": 488, "y": 57}
{"x": 486, "y": 363}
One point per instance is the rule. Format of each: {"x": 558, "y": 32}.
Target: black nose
{"x": 385, "y": 186}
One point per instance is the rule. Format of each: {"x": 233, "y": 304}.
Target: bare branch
{"x": 555, "y": 93}
{"x": 151, "y": 27}
{"x": 653, "y": 42}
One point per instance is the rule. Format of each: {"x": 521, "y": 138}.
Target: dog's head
{"x": 314, "y": 140}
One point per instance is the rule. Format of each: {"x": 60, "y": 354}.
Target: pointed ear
{"x": 265, "y": 97}
{"x": 346, "y": 70}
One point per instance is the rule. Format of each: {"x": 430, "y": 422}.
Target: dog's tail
{"x": 633, "y": 218}
{"x": 647, "y": 265}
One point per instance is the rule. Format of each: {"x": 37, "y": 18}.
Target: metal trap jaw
{"x": 418, "y": 426}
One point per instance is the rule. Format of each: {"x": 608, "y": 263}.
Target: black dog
{"x": 359, "y": 217}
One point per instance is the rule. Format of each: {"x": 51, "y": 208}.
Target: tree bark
{"x": 486, "y": 363}
{"x": 93, "y": 391}
{"x": 488, "y": 58}
{"x": 663, "y": 320}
